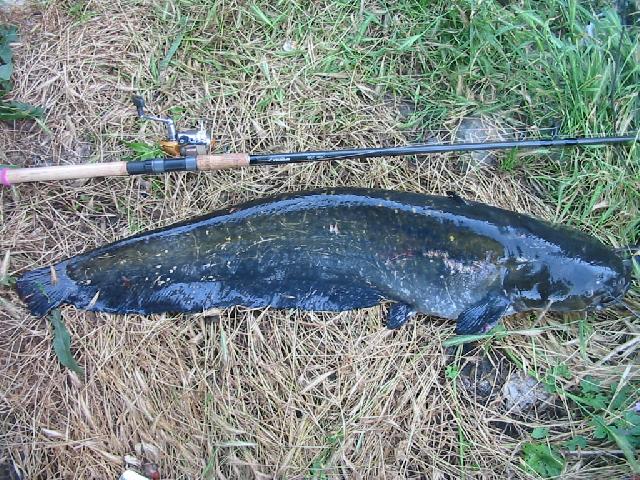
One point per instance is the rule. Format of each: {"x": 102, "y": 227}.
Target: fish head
{"x": 570, "y": 283}
{"x": 592, "y": 286}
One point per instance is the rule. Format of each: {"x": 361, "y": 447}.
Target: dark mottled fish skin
{"x": 342, "y": 249}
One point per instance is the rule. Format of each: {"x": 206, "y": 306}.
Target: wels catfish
{"x": 342, "y": 249}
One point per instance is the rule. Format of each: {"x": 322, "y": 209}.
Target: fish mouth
{"x": 611, "y": 300}
{"x": 620, "y": 287}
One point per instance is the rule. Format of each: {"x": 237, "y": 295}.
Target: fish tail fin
{"x": 43, "y": 290}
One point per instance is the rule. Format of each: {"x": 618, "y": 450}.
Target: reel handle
{"x": 138, "y": 101}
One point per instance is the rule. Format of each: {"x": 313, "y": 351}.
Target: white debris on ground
{"x": 131, "y": 475}
{"x": 8, "y": 4}
{"x": 477, "y": 130}
{"x": 523, "y": 392}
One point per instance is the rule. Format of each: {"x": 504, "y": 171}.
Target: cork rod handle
{"x": 219, "y": 162}
{"x": 11, "y": 176}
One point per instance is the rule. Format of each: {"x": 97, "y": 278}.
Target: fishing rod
{"x": 187, "y": 152}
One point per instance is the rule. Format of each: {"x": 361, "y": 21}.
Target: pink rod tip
{"x": 4, "y": 180}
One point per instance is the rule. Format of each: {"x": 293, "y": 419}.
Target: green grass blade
{"x": 261, "y": 16}
{"x": 19, "y": 111}
{"x": 408, "y": 42}
{"x": 173, "y": 48}
{"x": 62, "y": 343}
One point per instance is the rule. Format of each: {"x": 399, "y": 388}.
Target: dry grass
{"x": 245, "y": 393}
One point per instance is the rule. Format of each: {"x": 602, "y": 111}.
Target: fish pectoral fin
{"x": 481, "y": 315}
{"x": 399, "y": 314}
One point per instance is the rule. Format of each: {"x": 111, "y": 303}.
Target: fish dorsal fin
{"x": 455, "y": 196}
{"x": 399, "y": 314}
{"x": 482, "y": 315}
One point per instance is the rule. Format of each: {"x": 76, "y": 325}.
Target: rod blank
{"x": 279, "y": 158}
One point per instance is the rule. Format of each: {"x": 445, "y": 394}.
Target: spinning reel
{"x": 180, "y": 143}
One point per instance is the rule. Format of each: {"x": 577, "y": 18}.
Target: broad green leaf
{"x": 452, "y": 372}
{"x": 577, "y": 442}
{"x": 62, "y": 343}
{"x": 620, "y": 438}
{"x": 590, "y": 385}
{"x": 598, "y": 402}
{"x": 543, "y": 459}
{"x": 562, "y": 370}
{"x": 539, "y": 433}
{"x": 5, "y": 87}
{"x": 629, "y": 425}
{"x": 9, "y": 34}
{"x": 633, "y": 419}
{"x": 5, "y": 53}
{"x": 549, "y": 385}
{"x": 625, "y": 445}
{"x": 5, "y": 71}
{"x": 144, "y": 151}
{"x": 599, "y": 424}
